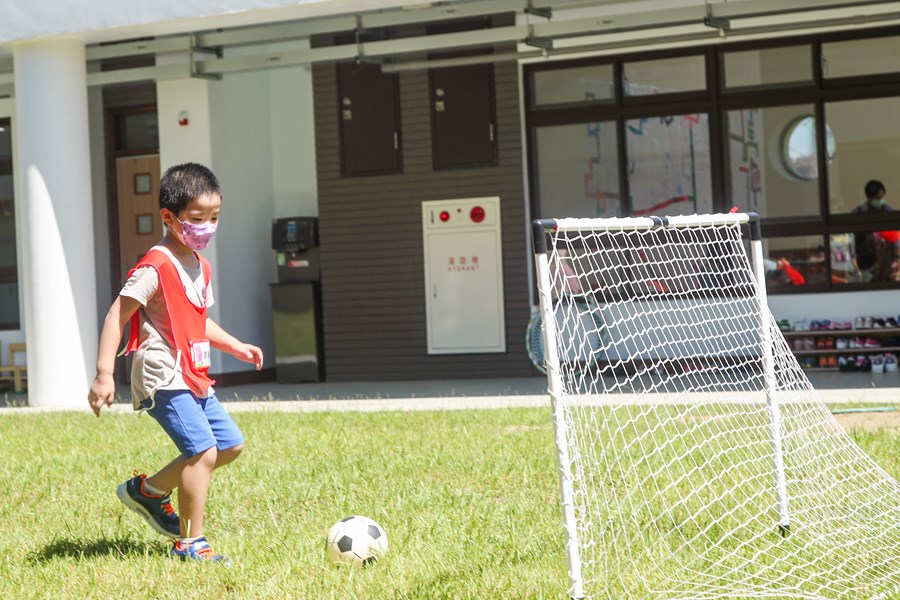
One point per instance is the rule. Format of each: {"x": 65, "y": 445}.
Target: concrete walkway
{"x": 833, "y": 387}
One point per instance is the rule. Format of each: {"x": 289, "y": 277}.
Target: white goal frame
{"x": 553, "y": 368}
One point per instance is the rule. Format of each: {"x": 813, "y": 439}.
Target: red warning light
{"x": 477, "y": 214}
{"x": 445, "y": 216}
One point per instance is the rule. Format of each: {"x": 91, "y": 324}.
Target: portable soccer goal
{"x": 695, "y": 459}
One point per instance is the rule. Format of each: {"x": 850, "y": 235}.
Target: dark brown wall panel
{"x": 372, "y": 248}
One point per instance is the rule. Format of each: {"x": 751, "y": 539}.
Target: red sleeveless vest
{"x": 186, "y": 321}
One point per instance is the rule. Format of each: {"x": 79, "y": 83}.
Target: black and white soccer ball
{"x": 358, "y": 540}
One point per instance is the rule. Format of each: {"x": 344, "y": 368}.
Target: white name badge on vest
{"x": 200, "y": 356}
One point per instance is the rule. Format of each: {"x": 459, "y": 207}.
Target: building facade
{"x": 357, "y": 113}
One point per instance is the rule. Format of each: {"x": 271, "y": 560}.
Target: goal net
{"x": 695, "y": 458}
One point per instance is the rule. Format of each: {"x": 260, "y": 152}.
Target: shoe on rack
{"x": 868, "y": 323}
{"x": 156, "y": 510}
{"x": 863, "y": 364}
{"x": 198, "y": 550}
{"x": 840, "y": 343}
{"x": 841, "y": 325}
{"x": 878, "y": 364}
{"x": 871, "y": 343}
{"x": 858, "y": 323}
{"x": 832, "y": 361}
{"x": 890, "y": 363}
{"x": 801, "y": 325}
{"x": 878, "y": 323}
{"x": 820, "y": 343}
{"x": 797, "y": 344}
{"x": 890, "y": 322}
{"x": 784, "y": 325}
{"x": 846, "y": 364}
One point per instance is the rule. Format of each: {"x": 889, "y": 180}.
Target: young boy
{"x": 166, "y": 298}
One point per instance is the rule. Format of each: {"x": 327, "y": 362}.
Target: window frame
{"x": 10, "y": 275}
{"x": 716, "y": 101}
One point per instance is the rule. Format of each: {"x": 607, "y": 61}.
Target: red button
{"x": 477, "y": 214}
{"x": 445, "y": 216}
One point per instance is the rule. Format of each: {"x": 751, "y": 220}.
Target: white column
{"x": 56, "y": 228}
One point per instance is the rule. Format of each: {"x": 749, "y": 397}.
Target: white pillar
{"x": 56, "y": 229}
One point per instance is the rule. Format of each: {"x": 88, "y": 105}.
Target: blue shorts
{"x": 195, "y": 425}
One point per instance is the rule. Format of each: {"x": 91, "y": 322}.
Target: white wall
{"x": 189, "y": 143}
{"x": 242, "y": 159}
{"x": 255, "y": 130}
{"x": 102, "y": 230}
{"x": 293, "y": 139}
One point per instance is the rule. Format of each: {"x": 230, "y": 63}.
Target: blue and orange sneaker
{"x": 198, "y": 550}
{"x": 156, "y": 510}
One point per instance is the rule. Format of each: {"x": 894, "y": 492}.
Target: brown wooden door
{"x": 137, "y": 196}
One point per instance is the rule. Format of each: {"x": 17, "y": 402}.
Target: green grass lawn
{"x": 469, "y": 501}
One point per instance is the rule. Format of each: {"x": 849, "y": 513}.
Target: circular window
{"x": 799, "y": 148}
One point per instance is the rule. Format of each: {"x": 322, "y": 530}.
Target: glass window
{"x": 9, "y": 279}
{"x": 768, "y": 66}
{"x": 578, "y": 170}
{"x": 868, "y": 148}
{"x": 798, "y": 148}
{"x": 591, "y": 83}
{"x": 865, "y": 257}
{"x": 669, "y": 170}
{"x": 664, "y": 76}
{"x": 759, "y": 178}
{"x": 794, "y": 261}
{"x": 861, "y": 57}
{"x": 137, "y": 131}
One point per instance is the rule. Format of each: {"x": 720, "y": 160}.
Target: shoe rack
{"x": 810, "y": 345}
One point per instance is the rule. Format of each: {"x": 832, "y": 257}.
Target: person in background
{"x": 873, "y": 252}
{"x": 875, "y": 192}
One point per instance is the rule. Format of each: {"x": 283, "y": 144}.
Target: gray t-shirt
{"x": 155, "y": 364}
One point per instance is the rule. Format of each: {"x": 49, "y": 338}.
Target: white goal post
{"x": 695, "y": 459}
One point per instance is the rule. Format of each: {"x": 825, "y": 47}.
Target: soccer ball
{"x": 358, "y": 540}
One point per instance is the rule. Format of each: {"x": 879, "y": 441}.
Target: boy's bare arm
{"x": 103, "y": 390}
{"x": 224, "y": 341}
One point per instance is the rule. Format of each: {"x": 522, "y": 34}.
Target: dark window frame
{"x": 716, "y": 101}
{"x": 10, "y": 274}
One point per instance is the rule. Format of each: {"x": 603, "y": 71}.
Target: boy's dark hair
{"x": 182, "y": 183}
{"x": 873, "y": 187}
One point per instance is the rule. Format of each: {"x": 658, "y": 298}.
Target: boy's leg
{"x": 169, "y": 477}
{"x": 193, "y": 490}
{"x": 181, "y": 417}
{"x": 207, "y": 437}
{"x": 188, "y": 476}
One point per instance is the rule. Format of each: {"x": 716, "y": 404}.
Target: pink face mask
{"x": 197, "y": 235}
